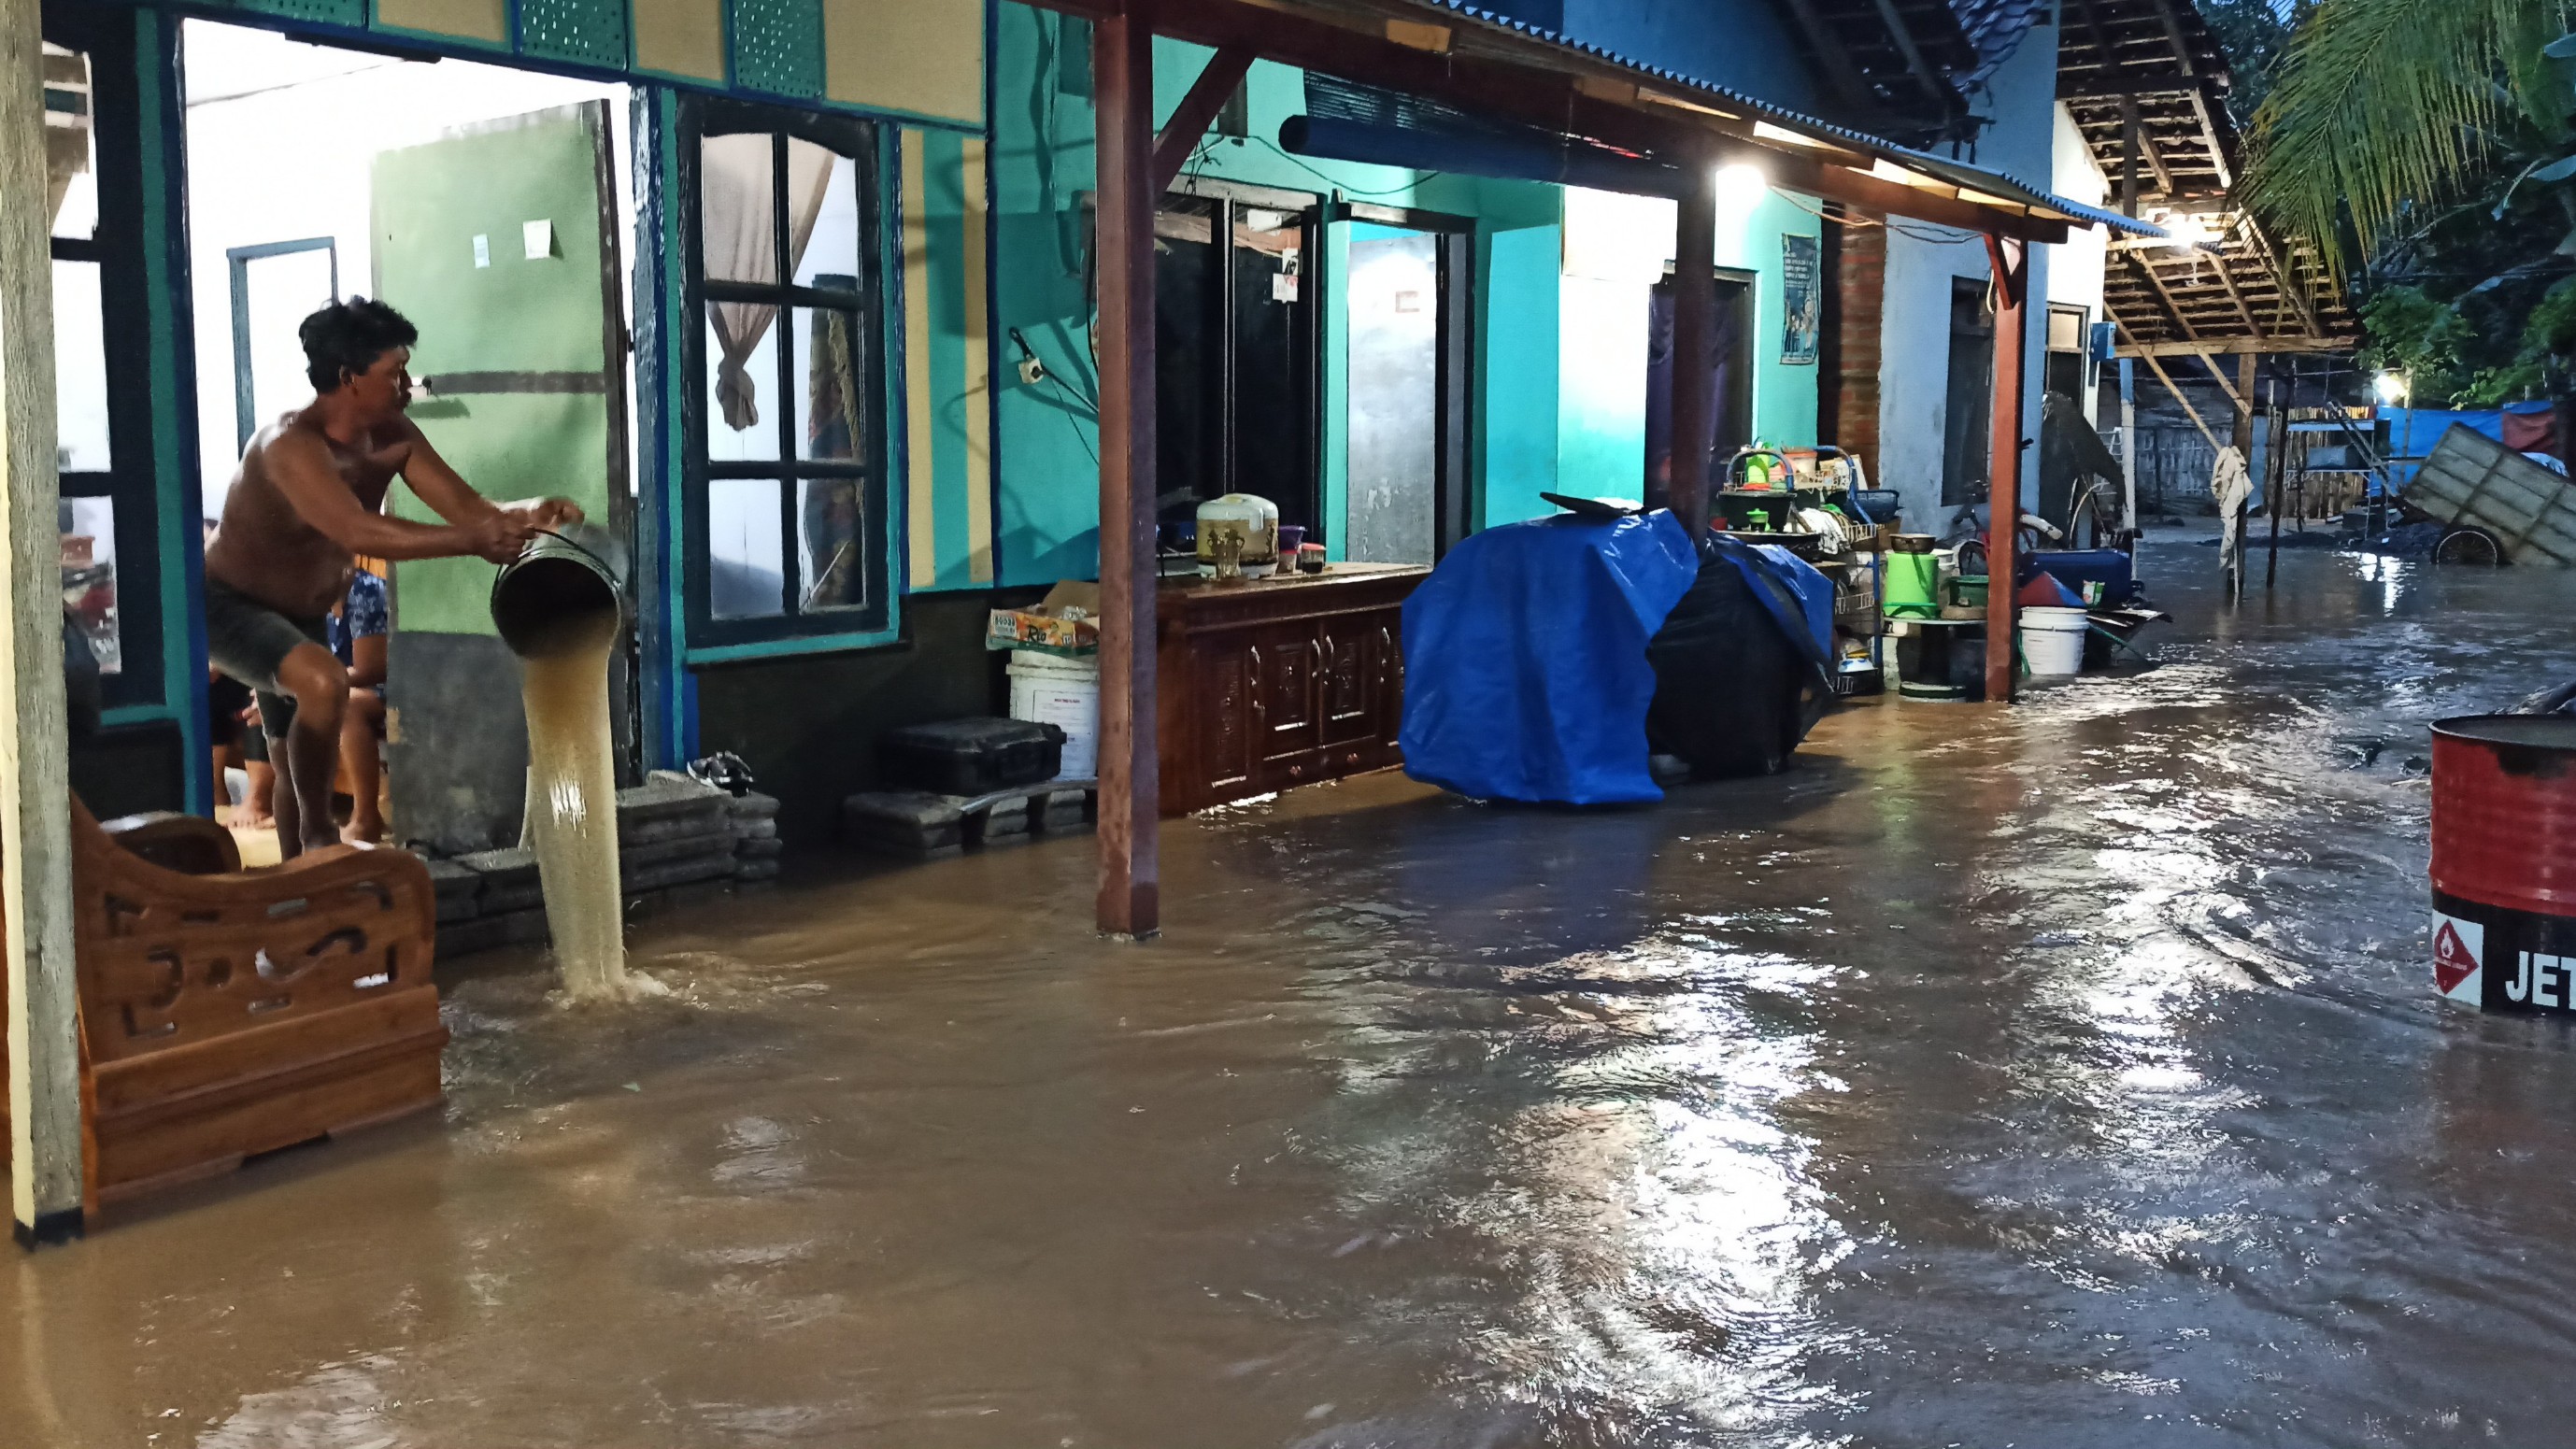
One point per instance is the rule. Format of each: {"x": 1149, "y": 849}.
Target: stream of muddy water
{"x": 2061, "y": 1076}
{"x": 572, "y": 803}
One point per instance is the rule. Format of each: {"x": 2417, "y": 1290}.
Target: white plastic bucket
{"x": 1051, "y": 689}
{"x": 2052, "y": 640}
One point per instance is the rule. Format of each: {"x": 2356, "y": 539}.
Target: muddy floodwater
{"x": 2067, "y": 1076}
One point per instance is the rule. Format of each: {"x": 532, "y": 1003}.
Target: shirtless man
{"x": 309, "y": 496}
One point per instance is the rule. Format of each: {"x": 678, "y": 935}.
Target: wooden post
{"x": 2129, "y": 447}
{"x": 1122, "y": 68}
{"x": 2011, "y": 263}
{"x": 1694, "y": 334}
{"x": 2275, "y": 478}
{"x": 35, "y": 786}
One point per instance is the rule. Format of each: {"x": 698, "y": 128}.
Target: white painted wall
{"x": 2076, "y": 265}
{"x": 1914, "y": 371}
{"x": 281, "y": 136}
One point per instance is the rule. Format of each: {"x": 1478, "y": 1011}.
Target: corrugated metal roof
{"x": 1956, "y": 173}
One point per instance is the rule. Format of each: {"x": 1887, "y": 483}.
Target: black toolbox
{"x": 970, "y": 756}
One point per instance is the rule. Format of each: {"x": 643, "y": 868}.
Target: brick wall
{"x": 1863, "y": 286}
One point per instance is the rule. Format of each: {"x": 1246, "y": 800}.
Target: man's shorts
{"x": 247, "y": 640}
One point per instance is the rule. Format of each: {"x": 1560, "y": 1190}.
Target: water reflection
{"x": 2061, "y": 1075}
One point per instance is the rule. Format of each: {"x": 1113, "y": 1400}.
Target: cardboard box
{"x": 1066, "y": 621}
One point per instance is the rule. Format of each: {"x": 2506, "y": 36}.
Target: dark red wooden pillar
{"x": 1122, "y": 67}
{"x": 2011, "y": 263}
{"x": 1694, "y": 335}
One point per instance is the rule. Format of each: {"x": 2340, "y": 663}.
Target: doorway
{"x": 1406, "y": 413}
{"x": 1965, "y": 465}
{"x": 487, "y": 204}
{"x": 1730, "y": 383}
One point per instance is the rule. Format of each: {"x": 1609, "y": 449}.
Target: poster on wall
{"x": 1800, "y": 260}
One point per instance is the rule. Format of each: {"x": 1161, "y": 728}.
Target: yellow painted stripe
{"x": 979, "y": 376}
{"x": 484, "y": 20}
{"x": 679, "y": 37}
{"x": 925, "y": 57}
{"x": 921, "y": 511}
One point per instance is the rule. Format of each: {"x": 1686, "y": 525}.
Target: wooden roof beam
{"x": 2228, "y": 347}
{"x": 1914, "y": 61}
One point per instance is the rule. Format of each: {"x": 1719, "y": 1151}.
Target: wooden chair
{"x": 228, "y": 1012}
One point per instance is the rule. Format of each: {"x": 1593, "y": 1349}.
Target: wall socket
{"x": 1032, "y": 371}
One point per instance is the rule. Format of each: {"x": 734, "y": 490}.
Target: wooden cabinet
{"x": 1279, "y": 682}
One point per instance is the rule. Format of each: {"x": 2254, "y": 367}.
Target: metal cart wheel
{"x": 2466, "y": 545}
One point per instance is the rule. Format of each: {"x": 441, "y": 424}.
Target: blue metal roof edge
{"x": 1985, "y": 179}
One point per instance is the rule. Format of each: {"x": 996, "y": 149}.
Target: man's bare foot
{"x": 363, "y": 832}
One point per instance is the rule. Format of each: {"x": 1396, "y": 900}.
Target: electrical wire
{"x": 1418, "y": 177}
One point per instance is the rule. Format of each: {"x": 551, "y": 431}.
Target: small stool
{"x": 1941, "y": 661}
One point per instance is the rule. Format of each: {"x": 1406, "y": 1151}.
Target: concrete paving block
{"x": 523, "y": 928}
{"x": 761, "y": 847}
{"x": 634, "y": 856}
{"x": 681, "y": 872}
{"x": 503, "y": 868}
{"x": 467, "y": 937}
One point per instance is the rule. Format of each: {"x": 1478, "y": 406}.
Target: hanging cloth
{"x": 2229, "y": 486}
{"x": 739, "y": 243}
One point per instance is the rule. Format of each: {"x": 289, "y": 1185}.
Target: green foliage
{"x": 2386, "y": 107}
{"x": 2412, "y": 333}
{"x": 2441, "y": 348}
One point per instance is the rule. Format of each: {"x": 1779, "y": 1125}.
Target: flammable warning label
{"x": 2459, "y": 951}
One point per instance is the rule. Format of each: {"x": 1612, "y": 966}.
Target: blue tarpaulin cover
{"x": 1800, "y": 598}
{"x": 1525, "y": 672}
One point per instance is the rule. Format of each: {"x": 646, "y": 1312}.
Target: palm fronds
{"x": 2386, "y": 105}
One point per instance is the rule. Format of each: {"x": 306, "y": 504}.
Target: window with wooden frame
{"x": 787, "y": 531}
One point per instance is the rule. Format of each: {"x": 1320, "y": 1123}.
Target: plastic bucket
{"x": 2052, "y": 640}
{"x": 1912, "y": 579}
{"x": 2504, "y": 861}
{"x": 1049, "y": 689}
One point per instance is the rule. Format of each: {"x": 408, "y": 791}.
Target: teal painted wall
{"x": 1784, "y": 396}
{"x": 1516, "y": 373}
{"x": 1046, "y": 435}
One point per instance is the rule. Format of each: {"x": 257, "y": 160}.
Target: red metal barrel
{"x": 2504, "y": 811}
{"x": 2504, "y": 861}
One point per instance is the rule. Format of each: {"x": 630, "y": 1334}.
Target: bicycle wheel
{"x": 2466, "y": 545}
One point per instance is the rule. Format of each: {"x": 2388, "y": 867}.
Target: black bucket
{"x": 555, "y": 591}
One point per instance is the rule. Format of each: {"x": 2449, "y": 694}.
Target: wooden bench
{"x": 227, "y": 1012}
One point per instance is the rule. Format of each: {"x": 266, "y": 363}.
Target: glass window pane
{"x": 88, "y": 528}
{"x": 71, "y": 149}
{"x": 737, "y": 216}
{"x": 829, "y": 186}
{"x": 831, "y": 408}
{"x": 832, "y": 567}
{"x": 80, "y": 370}
{"x": 742, "y": 372}
{"x": 745, "y": 556}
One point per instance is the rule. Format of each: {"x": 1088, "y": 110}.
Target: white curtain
{"x": 739, "y": 227}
